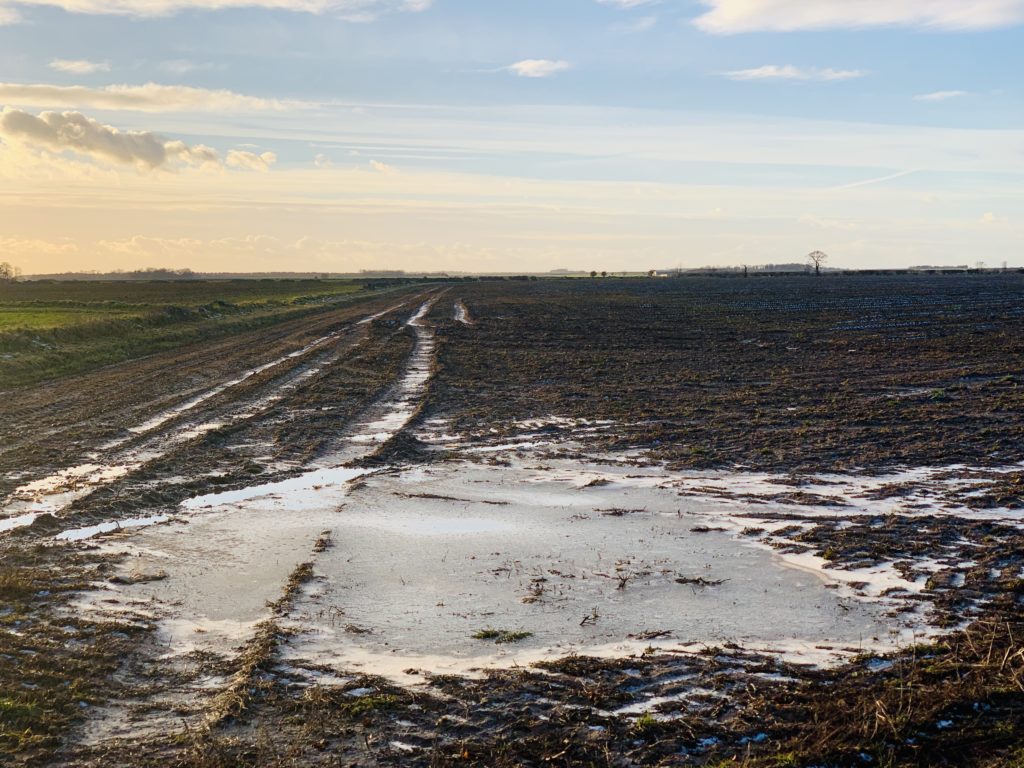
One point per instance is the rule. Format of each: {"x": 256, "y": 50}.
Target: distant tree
{"x": 593, "y": 273}
{"x": 603, "y": 273}
{"x": 650, "y": 273}
{"x": 816, "y": 259}
{"x": 8, "y": 273}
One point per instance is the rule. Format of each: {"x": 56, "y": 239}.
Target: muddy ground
{"x": 794, "y": 377}
{"x": 782, "y": 373}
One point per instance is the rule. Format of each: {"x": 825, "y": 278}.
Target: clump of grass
{"x": 366, "y": 705}
{"x": 18, "y": 583}
{"x": 501, "y": 635}
{"x": 645, "y": 722}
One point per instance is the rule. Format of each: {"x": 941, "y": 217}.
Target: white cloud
{"x": 8, "y": 16}
{"x": 538, "y": 67}
{"x": 250, "y": 161}
{"x": 379, "y": 167}
{"x": 789, "y": 72}
{"x": 322, "y": 161}
{"x": 72, "y": 131}
{"x": 735, "y": 16}
{"x": 352, "y": 10}
{"x": 79, "y": 66}
{"x": 150, "y": 97}
{"x": 940, "y": 95}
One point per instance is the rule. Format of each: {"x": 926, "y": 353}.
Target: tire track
{"x": 170, "y": 430}
{"x": 221, "y": 570}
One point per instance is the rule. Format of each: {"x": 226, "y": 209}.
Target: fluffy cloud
{"x": 79, "y": 66}
{"x": 789, "y": 72}
{"x": 353, "y": 10}
{"x": 736, "y": 16}
{"x": 150, "y": 97}
{"x": 250, "y": 161}
{"x": 940, "y": 95}
{"x": 60, "y": 132}
{"x": 538, "y": 67}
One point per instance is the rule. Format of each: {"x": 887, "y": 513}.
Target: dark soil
{"x": 784, "y": 373}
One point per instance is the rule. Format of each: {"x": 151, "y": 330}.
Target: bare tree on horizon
{"x": 816, "y": 259}
{"x": 8, "y": 273}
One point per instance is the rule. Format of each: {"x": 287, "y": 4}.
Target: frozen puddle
{"x": 423, "y": 559}
{"x": 461, "y": 313}
{"x": 309, "y": 490}
{"x": 88, "y": 532}
{"x": 387, "y": 420}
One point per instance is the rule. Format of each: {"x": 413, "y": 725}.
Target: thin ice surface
{"x": 463, "y": 548}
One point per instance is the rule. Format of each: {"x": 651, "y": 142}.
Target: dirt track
{"x": 55, "y": 424}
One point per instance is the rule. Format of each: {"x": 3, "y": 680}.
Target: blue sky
{"x": 475, "y": 134}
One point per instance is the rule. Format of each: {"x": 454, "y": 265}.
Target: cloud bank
{"x": 61, "y": 132}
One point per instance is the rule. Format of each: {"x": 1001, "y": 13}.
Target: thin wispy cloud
{"x": 940, "y": 95}
{"x": 643, "y": 24}
{"x": 150, "y": 97}
{"x": 627, "y": 4}
{"x": 185, "y": 66}
{"x": 538, "y": 67}
{"x": 350, "y": 10}
{"x": 873, "y": 181}
{"x": 789, "y": 72}
{"x": 79, "y": 66}
{"x": 728, "y": 17}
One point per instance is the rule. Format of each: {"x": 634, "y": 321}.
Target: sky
{"x": 509, "y": 135}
